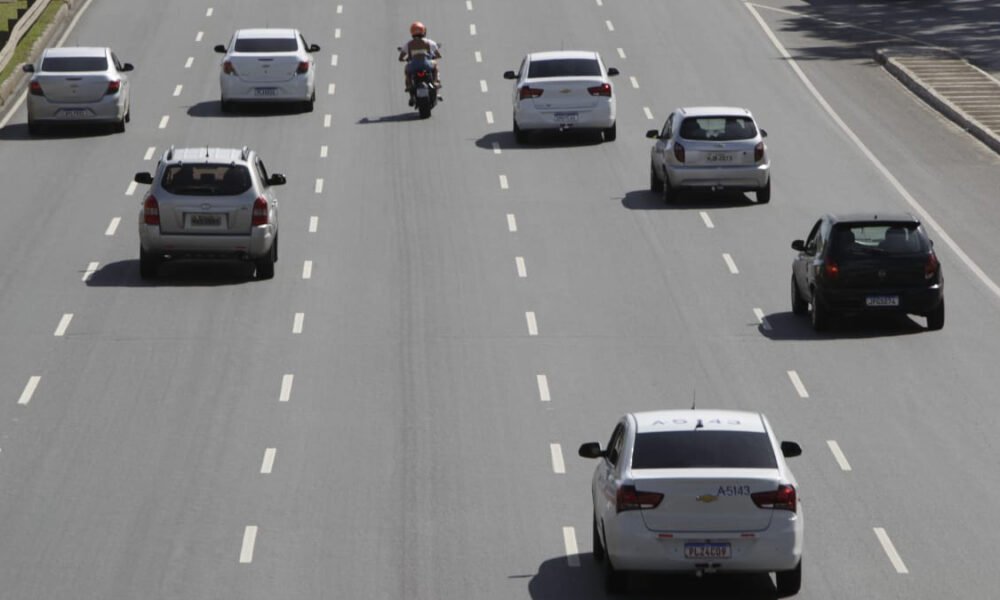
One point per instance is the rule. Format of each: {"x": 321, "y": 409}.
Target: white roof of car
{"x": 78, "y": 51}
{"x": 687, "y": 420}
{"x": 266, "y": 33}
{"x": 203, "y": 154}
{"x": 714, "y": 111}
{"x": 556, "y": 54}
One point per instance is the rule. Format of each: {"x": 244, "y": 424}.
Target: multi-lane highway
{"x": 396, "y": 414}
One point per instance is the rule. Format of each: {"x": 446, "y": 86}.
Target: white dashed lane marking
{"x": 208, "y": 13}
{"x": 91, "y": 269}
{"x": 511, "y": 223}
{"x": 267, "y": 465}
{"x": 307, "y": 269}
{"x": 331, "y": 89}
{"x": 286, "y": 387}
{"x": 319, "y": 185}
{"x": 313, "y": 224}
{"x": 600, "y": 2}
{"x": 838, "y": 455}
{"x": 799, "y": 386}
{"x": 149, "y": 153}
{"x": 472, "y": 29}
{"x": 489, "y": 117}
{"x": 621, "y": 53}
{"x": 558, "y": 465}
{"x": 503, "y": 182}
{"x": 482, "y": 86}
{"x": 333, "y": 60}
{"x": 496, "y": 148}
{"x": 543, "y": 388}
{"x": 324, "y": 151}
{"x": 200, "y": 36}
{"x": 730, "y": 263}
{"x": 336, "y": 33}
{"x": 131, "y": 188}
{"x": 327, "y": 120}
{"x": 340, "y": 9}
{"x": 761, "y": 319}
{"x": 610, "y": 25}
{"x": 479, "y": 56}
{"x": 572, "y": 551}
{"x": 532, "y": 322}
{"x": 635, "y": 82}
{"x": 178, "y": 90}
{"x": 647, "y": 112}
{"x": 29, "y": 389}
{"x": 468, "y": 4}
{"x": 189, "y": 62}
{"x": 63, "y": 325}
{"x": 890, "y": 550}
{"x": 297, "y": 322}
{"x": 163, "y": 121}
{"x": 113, "y": 226}
{"x": 707, "y": 220}
{"x": 522, "y": 271}
{"x": 249, "y": 541}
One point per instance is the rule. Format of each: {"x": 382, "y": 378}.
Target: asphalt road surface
{"x": 396, "y": 414}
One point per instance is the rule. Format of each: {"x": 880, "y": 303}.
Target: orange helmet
{"x": 417, "y": 28}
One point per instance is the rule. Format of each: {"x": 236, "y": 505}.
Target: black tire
{"x": 669, "y": 193}
{"x": 615, "y": 581}
{"x": 789, "y": 582}
{"x": 119, "y": 126}
{"x": 519, "y": 135}
{"x": 226, "y": 106}
{"x": 935, "y": 320}
{"x": 34, "y": 128}
{"x": 611, "y": 133}
{"x": 799, "y": 306}
{"x": 425, "y": 110}
{"x": 818, "y": 315}
{"x": 764, "y": 193}
{"x": 148, "y": 264}
{"x": 598, "y": 547}
{"x": 655, "y": 183}
{"x": 309, "y": 104}
{"x": 128, "y": 115}
{"x": 265, "y": 264}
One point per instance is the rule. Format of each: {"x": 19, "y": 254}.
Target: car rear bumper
{"x": 601, "y": 116}
{"x": 299, "y": 89}
{"x": 108, "y": 109}
{"x": 918, "y": 301}
{"x": 736, "y": 178}
{"x": 255, "y": 245}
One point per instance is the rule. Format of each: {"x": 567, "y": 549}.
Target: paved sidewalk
{"x": 963, "y": 92}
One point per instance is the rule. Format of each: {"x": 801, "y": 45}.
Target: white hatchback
{"x": 563, "y": 90}
{"x": 698, "y": 491}
{"x": 268, "y": 65}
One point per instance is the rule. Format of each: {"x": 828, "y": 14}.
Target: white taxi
{"x": 698, "y": 491}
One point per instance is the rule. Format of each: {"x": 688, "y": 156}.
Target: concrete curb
{"x": 887, "y": 57}
{"x": 10, "y": 90}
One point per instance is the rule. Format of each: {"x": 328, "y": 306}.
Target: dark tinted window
{"x": 266, "y": 45}
{"x": 879, "y": 238}
{"x": 703, "y": 449}
{"x": 564, "y": 67}
{"x": 206, "y": 180}
{"x": 70, "y": 64}
{"x": 718, "y": 128}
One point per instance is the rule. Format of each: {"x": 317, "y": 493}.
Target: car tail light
{"x": 783, "y": 498}
{"x": 831, "y": 269}
{"x": 601, "y": 90}
{"x": 758, "y": 152}
{"x": 679, "y": 152}
{"x": 630, "y": 499}
{"x": 529, "y": 92}
{"x": 932, "y": 266}
{"x": 151, "y": 211}
{"x": 303, "y": 67}
{"x": 114, "y": 86}
{"x": 35, "y": 88}
{"x": 228, "y": 68}
{"x": 260, "y": 212}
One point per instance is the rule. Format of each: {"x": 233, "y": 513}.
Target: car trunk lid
{"x": 73, "y": 87}
{"x": 270, "y": 68}
{"x": 565, "y": 93}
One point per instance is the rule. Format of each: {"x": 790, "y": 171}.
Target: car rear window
{"x": 71, "y": 64}
{"x": 260, "y": 45}
{"x": 718, "y": 128}
{"x": 206, "y": 180}
{"x": 700, "y": 449}
{"x": 882, "y": 238}
{"x": 564, "y": 67}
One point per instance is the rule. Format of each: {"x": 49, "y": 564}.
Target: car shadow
{"x": 539, "y": 140}
{"x": 556, "y": 580}
{"x": 174, "y": 273}
{"x": 783, "y": 326}
{"x": 213, "y": 108}
{"x": 19, "y": 132}
{"x": 649, "y": 200}
{"x": 397, "y": 118}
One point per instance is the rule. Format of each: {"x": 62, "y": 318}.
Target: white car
{"x": 563, "y": 90}
{"x": 268, "y": 65}
{"x": 698, "y": 491}
{"x": 710, "y": 148}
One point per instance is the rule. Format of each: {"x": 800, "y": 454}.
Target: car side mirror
{"x": 220, "y": 49}
{"x": 313, "y": 48}
{"x": 29, "y": 68}
{"x": 509, "y": 75}
{"x": 790, "y": 449}
{"x": 591, "y": 450}
{"x": 144, "y": 178}
{"x": 276, "y": 179}
{"x": 128, "y": 67}
{"x": 763, "y": 133}
{"x": 652, "y": 134}
{"x": 799, "y": 245}
{"x": 613, "y": 71}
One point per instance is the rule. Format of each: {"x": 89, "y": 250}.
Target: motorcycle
{"x": 423, "y": 91}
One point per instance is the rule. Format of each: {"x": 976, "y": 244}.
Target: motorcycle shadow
{"x": 411, "y": 115}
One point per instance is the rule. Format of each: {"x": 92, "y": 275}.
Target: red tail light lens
{"x": 601, "y": 90}
{"x": 932, "y": 266}
{"x": 783, "y": 498}
{"x": 758, "y": 152}
{"x": 260, "y": 212}
{"x": 228, "y": 68}
{"x": 113, "y": 87}
{"x": 303, "y": 67}
{"x": 831, "y": 269}
{"x": 421, "y": 74}
{"x": 151, "y": 211}
{"x": 529, "y": 92}
{"x": 679, "y": 152}
{"x": 628, "y": 498}
{"x": 35, "y": 88}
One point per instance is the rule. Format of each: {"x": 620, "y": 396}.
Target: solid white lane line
{"x": 496, "y": 148}
{"x": 503, "y": 182}
{"x": 468, "y": 4}
{"x": 761, "y": 319}
{"x": 532, "y": 322}
{"x": 178, "y": 90}
{"x": 572, "y": 551}
{"x": 163, "y": 121}
{"x": 297, "y": 322}
{"x": 331, "y": 89}
{"x": 479, "y": 56}
{"x": 647, "y": 112}
{"x": 610, "y": 25}
{"x": 131, "y": 188}
{"x": 267, "y": 465}
{"x": 902, "y": 191}
{"x": 113, "y": 226}
{"x": 489, "y": 117}
{"x": 707, "y": 220}
{"x": 472, "y": 29}
{"x": 511, "y": 223}
{"x": 621, "y": 53}
{"x": 730, "y": 263}
{"x": 319, "y": 185}
{"x": 838, "y": 455}
{"x": 324, "y": 151}
{"x": 249, "y": 540}
{"x": 336, "y": 33}
{"x": 307, "y": 269}
{"x": 558, "y": 465}
{"x": 543, "y": 388}
{"x": 200, "y": 36}
{"x": 327, "y": 119}
{"x": 482, "y": 86}
{"x": 333, "y": 60}
{"x": 890, "y": 550}
{"x": 63, "y": 325}
{"x": 286, "y": 387}
{"x": 799, "y": 386}
{"x": 635, "y": 82}
{"x": 313, "y": 224}
{"x": 522, "y": 271}
{"x": 149, "y": 153}
{"x": 91, "y": 269}
{"x": 208, "y": 13}
{"x": 189, "y": 62}
{"x": 29, "y": 389}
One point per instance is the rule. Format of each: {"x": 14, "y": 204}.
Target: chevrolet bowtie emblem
{"x": 707, "y": 498}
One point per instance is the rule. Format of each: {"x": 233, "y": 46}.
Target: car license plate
{"x": 719, "y": 157}
{"x": 882, "y": 301}
{"x": 719, "y": 550}
{"x": 75, "y": 113}
{"x": 423, "y": 92}
{"x": 270, "y": 91}
{"x": 205, "y": 220}
{"x": 567, "y": 117}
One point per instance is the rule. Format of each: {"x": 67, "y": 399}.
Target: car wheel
{"x": 265, "y": 265}
{"x": 611, "y": 133}
{"x": 128, "y": 115}
{"x": 819, "y": 316}
{"x": 309, "y": 104}
{"x": 615, "y": 581}
{"x": 34, "y": 128}
{"x": 669, "y": 194}
{"x": 226, "y": 105}
{"x": 799, "y": 305}
{"x": 764, "y": 193}
{"x": 519, "y": 135}
{"x": 598, "y": 547}
{"x": 119, "y": 126}
{"x": 655, "y": 183}
{"x": 935, "y": 320}
{"x": 148, "y": 264}
{"x": 789, "y": 582}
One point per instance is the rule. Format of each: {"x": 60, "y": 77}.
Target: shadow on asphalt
{"x": 785, "y": 326}
{"x": 213, "y": 108}
{"x": 19, "y": 131}
{"x": 556, "y": 580}
{"x": 411, "y": 115}
{"x": 568, "y": 139}
{"x": 649, "y": 200}
{"x": 179, "y": 273}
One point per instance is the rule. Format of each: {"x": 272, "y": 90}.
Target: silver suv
{"x": 209, "y": 203}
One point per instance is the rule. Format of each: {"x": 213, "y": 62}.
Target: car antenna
{"x": 694, "y": 398}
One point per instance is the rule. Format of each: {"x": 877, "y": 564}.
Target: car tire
{"x": 34, "y": 128}
{"x": 615, "y": 581}
{"x": 611, "y": 133}
{"x": 309, "y": 104}
{"x": 799, "y": 305}
{"x": 226, "y": 105}
{"x": 819, "y": 315}
{"x": 265, "y": 264}
{"x": 789, "y": 582}
{"x": 519, "y": 135}
{"x": 128, "y": 115}
{"x": 655, "y": 183}
{"x": 669, "y": 193}
{"x": 119, "y": 126}
{"x": 764, "y": 193}
{"x": 935, "y": 319}
{"x": 598, "y": 547}
{"x": 148, "y": 264}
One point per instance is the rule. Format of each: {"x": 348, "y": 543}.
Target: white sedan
{"x": 268, "y": 65}
{"x": 563, "y": 90}
{"x": 699, "y": 491}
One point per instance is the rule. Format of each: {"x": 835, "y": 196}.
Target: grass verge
{"x": 24, "y": 46}
{"x": 9, "y": 11}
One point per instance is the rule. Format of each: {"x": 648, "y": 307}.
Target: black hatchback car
{"x": 867, "y": 263}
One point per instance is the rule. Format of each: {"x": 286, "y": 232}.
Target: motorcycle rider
{"x": 419, "y": 50}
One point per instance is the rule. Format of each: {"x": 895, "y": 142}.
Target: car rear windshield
{"x": 260, "y": 45}
{"x": 881, "y": 238}
{"x": 564, "y": 67}
{"x": 72, "y": 64}
{"x": 700, "y": 449}
{"x": 206, "y": 180}
{"x": 718, "y": 128}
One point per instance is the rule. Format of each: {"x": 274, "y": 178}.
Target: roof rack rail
{"x": 170, "y": 152}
